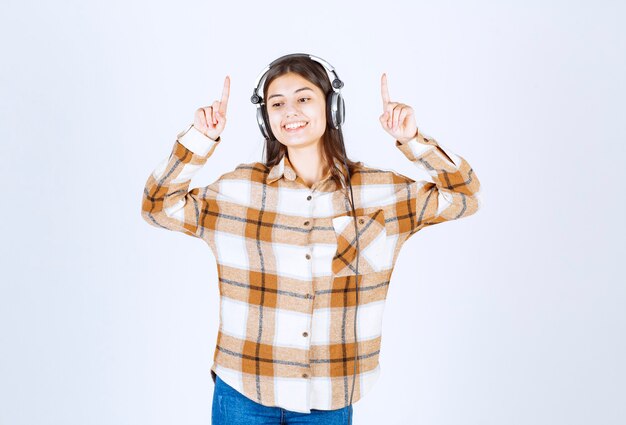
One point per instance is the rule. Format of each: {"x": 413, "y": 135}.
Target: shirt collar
{"x": 286, "y": 170}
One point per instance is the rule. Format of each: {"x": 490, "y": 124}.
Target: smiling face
{"x": 293, "y": 99}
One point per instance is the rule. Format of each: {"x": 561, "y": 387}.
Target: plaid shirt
{"x": 286, "y": 256}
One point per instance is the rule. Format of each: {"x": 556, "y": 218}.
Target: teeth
{"x": 295, "y": 125}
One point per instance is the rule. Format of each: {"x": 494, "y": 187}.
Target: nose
{"x": 291, "y": 109}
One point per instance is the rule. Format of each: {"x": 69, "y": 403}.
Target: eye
{"x": 280, "y": 103}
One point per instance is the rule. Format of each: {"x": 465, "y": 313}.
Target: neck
{"x": 308, "y": 163}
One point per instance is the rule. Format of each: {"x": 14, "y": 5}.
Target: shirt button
{"x": 306, "y": 223}
{"x": 305, "y": 334}
{"x": 308, "y": 256}
{"x": 308, "y": 198}
{"x": 305, "y": 375}
{"x": 361, "y": 221}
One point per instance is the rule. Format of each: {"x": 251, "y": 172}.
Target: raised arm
{"x": 453, "y": 192}
{"x": 167, "y": 201}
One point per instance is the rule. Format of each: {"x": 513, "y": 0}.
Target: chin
{"x": 295, "y": 143}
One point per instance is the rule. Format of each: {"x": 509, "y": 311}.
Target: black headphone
{"x": 335, "y": 113}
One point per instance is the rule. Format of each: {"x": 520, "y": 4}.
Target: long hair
{"x": 332, "y": 140}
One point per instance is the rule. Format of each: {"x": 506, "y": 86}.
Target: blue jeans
{"x": 233, "y": 408}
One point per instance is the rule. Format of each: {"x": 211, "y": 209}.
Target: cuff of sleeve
{"x": 415, "y": 147}
{"x": 419, "y": 145}
{"x": 196, "y": 141}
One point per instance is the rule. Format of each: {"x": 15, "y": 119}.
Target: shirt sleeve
{"x": 167, "y": 201}
{"x": 453, "y": 194}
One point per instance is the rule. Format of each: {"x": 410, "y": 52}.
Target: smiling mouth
{"x": 294, "y": 130}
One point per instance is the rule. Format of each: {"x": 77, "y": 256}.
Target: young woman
{"x": 305, "y": 242}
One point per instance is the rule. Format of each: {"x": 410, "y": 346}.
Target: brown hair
{"x": 332, "y": 139}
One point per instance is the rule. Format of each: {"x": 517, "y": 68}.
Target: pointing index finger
{"x": 384, "y": 89}
{"x": 225, "y": 94}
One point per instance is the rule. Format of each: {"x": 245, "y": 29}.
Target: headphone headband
{"x": 259, "y": 83}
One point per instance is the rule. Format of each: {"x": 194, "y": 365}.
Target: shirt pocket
{"x": 372, "y": 243}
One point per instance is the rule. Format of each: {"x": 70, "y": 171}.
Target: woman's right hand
{"x": 210, "y": 120}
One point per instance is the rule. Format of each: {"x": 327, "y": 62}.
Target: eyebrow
{"x": 300, "y": 89}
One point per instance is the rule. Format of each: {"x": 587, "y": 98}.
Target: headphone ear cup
{"x": 260, "y": 118}
{"x": 341, "y": 110}
{"x": 330, "y": 119}
{"x": 336, "y": 109}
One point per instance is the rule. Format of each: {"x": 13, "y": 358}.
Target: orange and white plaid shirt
{"x": 286, "y": 256}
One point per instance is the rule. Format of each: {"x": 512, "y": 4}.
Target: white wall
{"x": 107, "y": 320}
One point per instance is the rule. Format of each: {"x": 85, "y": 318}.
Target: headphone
{"x": 335, "y": 114}
{"x": 334, "y": 101}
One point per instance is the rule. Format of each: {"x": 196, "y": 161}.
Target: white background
{"x": 512, "y": 316}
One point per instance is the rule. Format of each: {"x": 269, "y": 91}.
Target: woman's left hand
{"x": 397, "y": 119}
